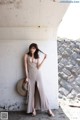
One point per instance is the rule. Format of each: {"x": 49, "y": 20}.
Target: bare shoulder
{"x": 25, "y": 55}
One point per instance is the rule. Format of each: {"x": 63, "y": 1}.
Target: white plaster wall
{"x": 21, "y": 23}
{"x": 27, "y": 33}
{"x": 12, "y": 69}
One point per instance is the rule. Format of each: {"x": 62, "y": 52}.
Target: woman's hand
{"x": 26, "y": 80}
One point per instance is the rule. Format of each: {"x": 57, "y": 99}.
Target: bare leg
{"x": 34, "y": 111}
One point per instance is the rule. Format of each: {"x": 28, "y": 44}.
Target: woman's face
{"x": 33, "y": 49}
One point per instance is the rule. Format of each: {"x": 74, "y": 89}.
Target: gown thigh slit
{"x": 37, "y": 99}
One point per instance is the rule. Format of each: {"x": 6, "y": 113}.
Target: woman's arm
{"x": 25, "y": 65}
{"x": 39, "y": 64}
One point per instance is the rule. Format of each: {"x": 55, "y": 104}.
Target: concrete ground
{"x": 59, "y": 115}
{"x": 73, "y": 113}
{"x": 65, "y": 112}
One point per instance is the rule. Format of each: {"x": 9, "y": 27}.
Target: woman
{"x": 37, "y": 99}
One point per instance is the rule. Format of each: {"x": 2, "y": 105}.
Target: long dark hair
{"x": 36, "y": 55}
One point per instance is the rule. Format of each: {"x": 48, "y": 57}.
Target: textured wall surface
{"x": 69, "y": 68}
{"x": 29, "y": 13}
{"x": 30, "y": 19}
{"x": 12, "y": 70}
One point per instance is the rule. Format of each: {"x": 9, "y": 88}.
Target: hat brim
{"x": 20, "y": 88}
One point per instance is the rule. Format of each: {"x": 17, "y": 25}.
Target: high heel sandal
{"x": 34, "y": 113}
{"x": 50, "y": 113}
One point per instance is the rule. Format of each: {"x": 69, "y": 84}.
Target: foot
{"x": 34, "y": 113}
{"x": 50, "y": 113}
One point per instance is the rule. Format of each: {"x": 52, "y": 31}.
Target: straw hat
{"x": 22, "y": 87}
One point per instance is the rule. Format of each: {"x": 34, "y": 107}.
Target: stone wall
{"x": 69, "y": 68}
